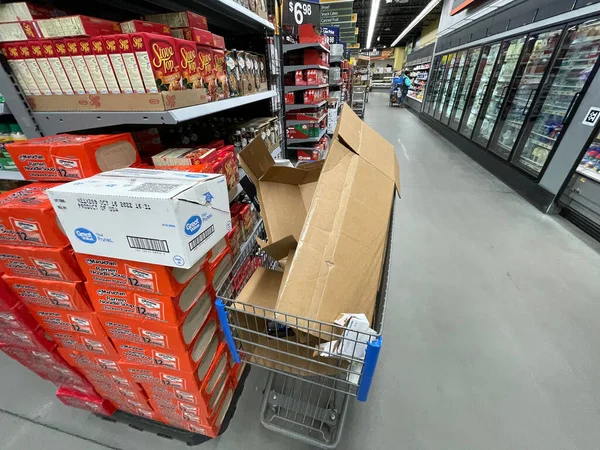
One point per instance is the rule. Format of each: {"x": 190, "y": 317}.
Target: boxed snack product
{"x": 20, "y": 69}
{"x": 158, "y": 53}
{"x": 221, "y": 74}
{"x": 218, "y": 42}
{"x": 108, "y": 74}
{"x": 33, "y": 67}
{"x": 180, "y": 20}
{"x": 34, "y": 340}
{"x": 69, "y": 65}
{"x": 290, "y": 98}
{"x": 19, "y": 31}
{"x": 250, "y": 70}
{"x": 68, "y": 157}
{"x": 316, "y": 56}
{"x": 85, "y": 49}
{"x": 49, "y": 52}
{"x": 233, "y": 73}
{"x": 49, "y": 263}
{"x": 87, "y": 361}
{"x": 58, "y": 321}
{"x": 195, "y": 207}
{"x": 197, "y": 35}
{"x": 241, "y": 213}
{"x": 125, "y": 46}
{"x": 246, "y": 85}
{"x": 262, "y": 67}
{"x": 17, "y": 11}
{"x": 207, "y": 71}
{"x": 80, "y": 65}
{"x": 82, "y": 343}
{"x": 191, "y": 71}
{"x": 36, "y": 51}
{"x": 140, "y": 26}
{"x": 17, "y": 318}
{"x": 71, "y": 26}
{"x": 256, "y": 71}
{"x": 28, "y": 218}
{"x": 118, "y": 63}
{"x": 76, "y": 399}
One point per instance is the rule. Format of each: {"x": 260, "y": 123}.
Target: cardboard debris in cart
{"x": 160, "y": 217}
{"x": 336, "y": 215}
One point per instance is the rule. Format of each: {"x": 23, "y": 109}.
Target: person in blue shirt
{"x": 400, "y": 85}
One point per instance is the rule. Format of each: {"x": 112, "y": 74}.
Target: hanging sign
{"x": 301, "y": 13}
{"x": 332, "y": 33}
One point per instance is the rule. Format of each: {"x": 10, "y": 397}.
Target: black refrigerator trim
{"x": 458, "y": 88}
{"x": 470, "y": 88}
{"x": 446, "y": 83}
{"x": 451, "y": 83}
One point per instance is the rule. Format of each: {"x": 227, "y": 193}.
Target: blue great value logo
{"x": 193, "y": 225}
{"x": 85, "y": 235}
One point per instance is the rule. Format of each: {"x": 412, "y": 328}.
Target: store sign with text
{"x": 332, "y": 33}
{"x": 301, "y": 13}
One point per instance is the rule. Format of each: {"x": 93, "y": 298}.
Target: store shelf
{"x": 303, "y": 88}
{"x": 300, "y": 122}
{"x": 65, "y": 121}
{"x": 10, "y": 175}
{"x": 335, "y": 59}
{"x": 304, "y": 106}
{"x": 288, "y": 69}
{"x": 415, "y": 98}
{"x": 292, "y": 47}
{"x": 308, "y": 140}
{"x": 236, "y": 12}
{"x": 588, "y": 173}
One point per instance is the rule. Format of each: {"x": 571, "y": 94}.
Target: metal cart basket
{"x": 307, "y": 392}
{"x": 359, "y": 100}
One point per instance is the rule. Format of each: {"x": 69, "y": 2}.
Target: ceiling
{"x": 392, "y": 19}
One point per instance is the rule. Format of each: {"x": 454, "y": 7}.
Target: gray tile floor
{"x": 491, "y": 338}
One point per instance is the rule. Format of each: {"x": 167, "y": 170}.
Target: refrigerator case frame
{"x": 439, "y": 74}
{"x": 450, "y": 66}
{"x": 462, "y": 93}
{"x": 452, "y": 91}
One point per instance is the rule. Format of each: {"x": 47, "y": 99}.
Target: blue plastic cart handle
{"x": 220, "y": 305}
{"x": 371, "y": 357}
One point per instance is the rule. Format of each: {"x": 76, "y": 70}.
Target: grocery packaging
{"x": 20, "y": 70}
{"x": 103, "y": 59}
{"x": 233, "y": 74}
{"x": 35, "y": 48}
{"x": 68, "y": 64}
{"x": 49, "y": 52}
{"x": 118, "y": 63}
{"x": 197, "y": 35}
{"x": 86, "y": 361}
{"x": 207, "y": 71}
{"x": 221, "y": 74}
{"x": 76, "y": 26}
{"x": 139, "y": 26}
{"x": 125, "y": 46}
{"x": 85, "y": 49}
{"x": 19, "y": 31}
{"x": 180, "y": 20}
{"x": 48, "y": 263}
{"x": 27, "y": 217}
{"x": 55, "y": 320}
{"x": 72, "y": 46}
{"x": 183, "y": 215}
{"x": 316, "y": 56}
{"x": 33, "y": 67}
{"x": 67, "y": 295}
{"x": 100, "y": 345}
{"x": 246, "y": 85}
{"x": 18, "y": 11}
{"x": 33, "y": 340}
{"x": 158, "y": 54}
{"x": 76, "y": 399}
{"x": 17, "y": 318}
{"x": 191, "y": 70}
{"x": 218, "y": 42}
{"x": 67, "y": 157}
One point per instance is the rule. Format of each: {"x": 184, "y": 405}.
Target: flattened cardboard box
{"x": 340, "y": 220}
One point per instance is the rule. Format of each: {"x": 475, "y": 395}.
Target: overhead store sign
{"x": 461, "y": 5}
{"x": 297, "y": 12}
{"x": 332, "y": 33}
{"x": 333, "y": 13}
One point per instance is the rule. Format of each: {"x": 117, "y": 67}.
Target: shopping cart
{"x": 359, "y": 99}
{"x": 307, "y": 393}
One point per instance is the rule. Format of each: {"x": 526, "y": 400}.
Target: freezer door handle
{"x": 570, "y": 108}
{"x": 526, "y": 107}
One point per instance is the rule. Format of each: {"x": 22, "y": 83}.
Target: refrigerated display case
{"x": 439, "y": 69}
{"x": 574, "y": 63}
{"x": 482, "y": 79}
{"x": 441, "y": 101}
{"x": 462, "y": 57}
{"x": 508, "y": 57}
{"x": 464, "y": 87}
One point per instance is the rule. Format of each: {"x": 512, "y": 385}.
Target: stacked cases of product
{"x": 307, "y": 83}
{"x": 77, "y": 55}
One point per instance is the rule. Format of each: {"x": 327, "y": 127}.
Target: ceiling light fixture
{"x": 418, "y": 19}
{"x": 372, "y": 20}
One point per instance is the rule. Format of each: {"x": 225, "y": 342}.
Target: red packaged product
{"x": 290, "y": 98}
{"x": 18, "y": 318}
{"x": 117, "y": 379}
{"x": 180, "y": 20}
{"x": 140, "y": 26}
{"x": 72, "y": 45}
{"x": 33, "y": 67}
{"x": 244, "y": 213}
{"x": 207, "y": 71}
{"x": 49, "y": 52}
{"x": 88, "y": 361}
{"x": 218, "y": 42}
{"x": 100, "y": 345}
{"x": 226, "y": 164}
{"x": 125, "y": 46}
{"x": 234, "y": 239}
{"x": 299, "y": 79}
{"x": 19, "y": 31}
{"x": 188, "y": 60}
{"x": 18, "y": 11}
{"x": 34, "y": 340}
{"x": 221, "y": 73}
{"x": 118, "y": 63}
{"x": 103, "y": 60}
{"x": 85, "y": 49}
{"x": 8, "y": 300}
{"x": 35, "y": 48}
{"x": 48, "y": 263}
{"x": 315, "y": 56}
{"x": 68, "y": 64}
{"x": 28, "y": 218}
{"x": 77, "y": 26}
{"x": 19, "y": 69}
{"x": 58, "y": 321}
{"x": 67, "y": 157}
{"x": 197, "y": 35}
{"x": 76, "y": 399}
{"x": 158, "y": 53}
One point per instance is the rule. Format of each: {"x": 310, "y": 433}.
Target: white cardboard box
{"x": 155, "y": 216}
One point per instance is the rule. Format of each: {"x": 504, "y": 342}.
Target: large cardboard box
{"x": 161, "y": 217}
{"x": 340, "y": 220}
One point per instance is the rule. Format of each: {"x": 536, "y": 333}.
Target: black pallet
{"x": 172, "y": 433}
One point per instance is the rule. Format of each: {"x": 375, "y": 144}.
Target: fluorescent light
{"x": 372, "y": 20}
{"x": 415, "y": 22}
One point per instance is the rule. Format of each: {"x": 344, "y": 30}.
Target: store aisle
{"x": 490, "y": 342}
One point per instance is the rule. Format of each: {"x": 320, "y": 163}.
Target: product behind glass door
{"x": 431, "y": 81}
{"x": 455, "y": 83}
{"x": 465, "y": 87}
{"x": 452, "y": 60}
{"x": 437, "y": 86}
{"x": 575, "y": 61}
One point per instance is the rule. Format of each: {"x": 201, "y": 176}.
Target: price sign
{"x": 332, "y": 33}
{"x": 300, "y": 13}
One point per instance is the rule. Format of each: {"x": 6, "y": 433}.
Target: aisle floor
{"x": 491, "y": 338}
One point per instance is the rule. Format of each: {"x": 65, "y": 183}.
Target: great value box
{"x": 183, "y": 215}
{"x": 69, "y": 157}
{"x": 67, "y": 295}
{"x": 47, "y": 263}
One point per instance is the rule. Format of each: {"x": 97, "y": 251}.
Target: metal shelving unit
{"x": 300, "y": 122}
{"x": 288, "y": 69}
{"x": 304, "y": 106}
{"x": 303, "y": 88}
{"x": 292, "y": 47}
{"x": 308, "y": 140}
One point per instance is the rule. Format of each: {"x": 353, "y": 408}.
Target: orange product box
{"x": 18, "y": 318}
{"x": 67, "y": 157}
{"x": 146, "y": 305}
{"x": 108, "y": 74}
{"x": 140, "y": 26}
{"x": 76, "y": 399}
{"x": 188, "y": 61}
{"x": 138, "y": 276}
{"x": 157, "y": 54}
{"x": 76, "y": 26}
{"x": 27, "y": 217}
{"x": 85, "y": 49}
{"x": 59, "y": 321}
{"x": 157, "y": 392}
{"x": 88, "y": 361}
{"x": 124, "y": 45}
{"x": 47, "y": 263}
{"x": 118, "y": 63}
{"x": 220, "y": 267}
{"x": 67, "y": 295}
{"x": 207, "y": 71}
{"x": 180, "y": 19}
{"x": 34, "y": 340}
{"x": 49, "y": 52}
{"x": 72, "y": 46}
{"x": 221, "y": 74}
{"x": 36, "y": 50}
{"x": 197, "y": 35}
{"x": 34, "y": 68}
{"x": 100, "y": 345}
{"x": 187, "y": 362}
{"x": 19, "y": 31}
{"x": 120, "y": 394}
{"x": 218, "y": 42}
{"x": 118, "y": 379}
{"x": 68, "y": 64}
{"x": 20, "y": 69}
{"x": 149, "y": 332}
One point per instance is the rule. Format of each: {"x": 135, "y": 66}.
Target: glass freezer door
{"x": 461, "y": 58}
{"x": 438, "y": 84}
{"x": 482, "y": 79}
{"x": 534, "y": 62}
{"x": 590, "y": 163}
{"x": 505, "y": 67}
{"x": 446, "y": 83}
{"x": 432, "y": 91}
{"x": 465, "y": 87}
{"x": 575, "y": 60}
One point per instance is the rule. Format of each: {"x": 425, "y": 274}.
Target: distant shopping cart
{"x": 359, "y": 99}
{"x": 307, "y": 393}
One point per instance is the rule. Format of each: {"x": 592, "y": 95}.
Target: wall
{"x": 428, "y": 35}
{"x": 399, "y": 56}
